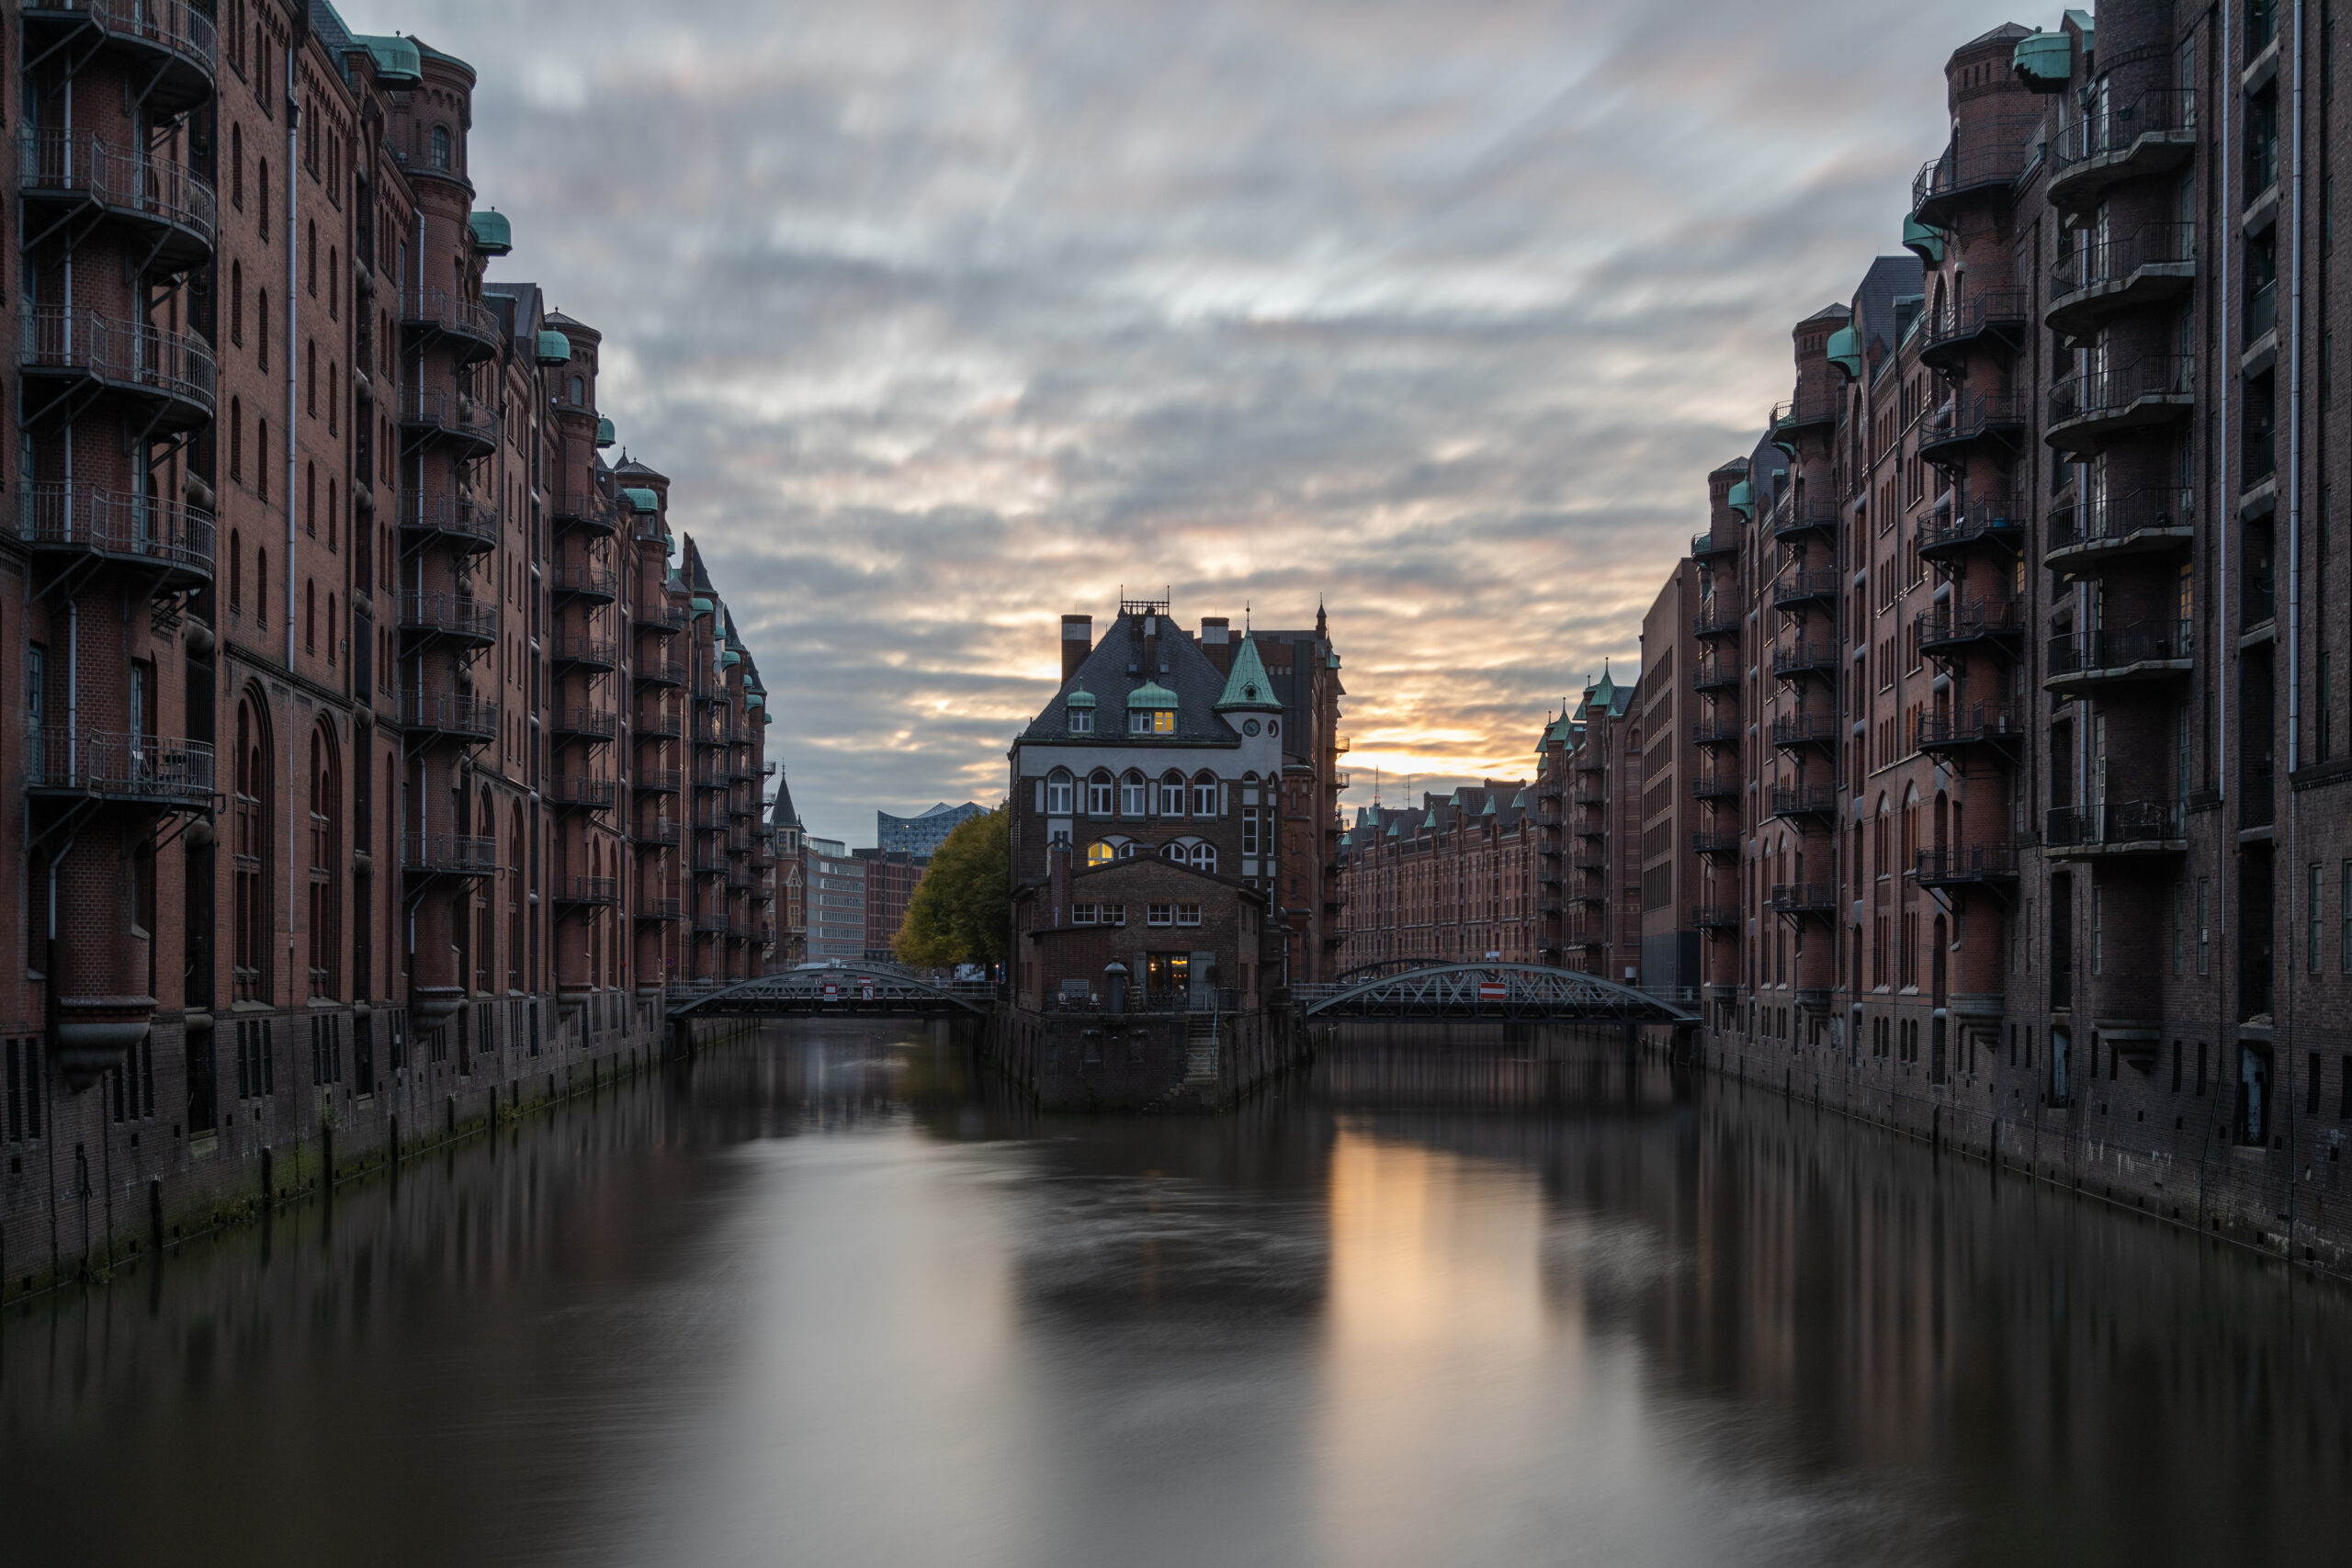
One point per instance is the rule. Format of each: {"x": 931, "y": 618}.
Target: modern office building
{"x": 920, "y": 835}
{"x": 835, "y": 880}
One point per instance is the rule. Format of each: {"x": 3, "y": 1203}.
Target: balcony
{"x": 1971, "y": 420}
{"x": 710, "y": 922}
{"x": 1715, "y": 732}
{"x": 661, "y": 833}
{"x": 579, "y": 793}
{"x": 1993, "y": 317}
{"x": 656, "y": 617}
{"x": 173, "y": 43}
{"x": 436, "y": 517}
{"x": 1718, "y": 616}
{"x": 651, "y": 910}
{"x": 1805, "y": 588}
{"x": 579, "y": 722}
{"x": 1981, "y": 165}
{"x": 1993, "y": 521}
{"x": 2154, "y": 265}
{"x": 1803, "y": 658}
{"x": 449, "y": 716}
{"x": 1816, "y": 900}
{"x": 1806, "y": 520}
{"x": 2085, "y": 535}
{"x": 1793, "y": 730}
{"x": 2088, "y": 410}
{"x": 429, "y": 414}
{"x": 1977, "y": 865}
{"x": 1707, "y": 547}
{"x": 587, "y": 892}
{"x": 2087, "y": 662}
{"x": 76, "y": 354}
{"x": 1956, "y": 628}
{"x": 1800, "y": 801}
{"x": 78, "y": 178}
{"x": 1714, "y": 917}
{"x": 437, "y": 613}
{"x": 656, "y": 781}
{"x": 1714, "y": 844}
{"x": 2119, "y": 829}
{"x": 468, "y": 326}
{"x": 1592, "y": 795}
{"x": 587, "y": 582}
{"x": 1813, "y": 411}
{"x": 170, "y": 541}
{"x": 448, "y": 854}
{"x": 1715, "y": 786}
{"x": 1714, "y": 675}
{"x": 2152, "y": 134}
{"x": 709, "y": 861}
{"x": 591, "y": 510}
{"x": 584, "y": 650}
{"x": 166, "y": 774}
{"x": 658, "y": 727}
{"x": 2000, "y": 726}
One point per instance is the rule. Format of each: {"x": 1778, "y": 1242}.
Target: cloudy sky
{"x": 949, "y": 318}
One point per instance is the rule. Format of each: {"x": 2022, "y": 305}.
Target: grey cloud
{"x": 947, "y": 318}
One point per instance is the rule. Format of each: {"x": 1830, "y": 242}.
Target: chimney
{"x": 1078, "y": 641}
{"x": 1151, "y": 648}
{"x": 1217, "y": 641}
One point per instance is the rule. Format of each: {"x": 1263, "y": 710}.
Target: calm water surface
{"x": 819, "y": 1300}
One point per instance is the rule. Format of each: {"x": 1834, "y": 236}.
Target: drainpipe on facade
{"x": 2226, "y": 989}
{"x": 2294, "y": 609}
{"x": 293, "y": 337}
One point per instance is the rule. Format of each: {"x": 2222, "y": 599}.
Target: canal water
{"x": 821, "y": 1299}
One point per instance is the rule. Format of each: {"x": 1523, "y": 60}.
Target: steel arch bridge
{"x": 1507, "y": 992}
{"x": 853, "y": 990}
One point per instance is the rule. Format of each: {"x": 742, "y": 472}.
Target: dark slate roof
{"x": 2007, "y": 32}
{"x": 786, "y": 814}
{"x": 1874, "y": 300}
{"x": 1106, "y": 673}
{"x": 631, "y": 468}
{"x": 329, "y": 26}
{"x": 556, "y": 319}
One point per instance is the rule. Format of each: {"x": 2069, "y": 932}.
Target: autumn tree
{"x": 961, "y": 907}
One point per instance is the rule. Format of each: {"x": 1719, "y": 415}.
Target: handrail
{"x": 66, "y": 514}
{"x": 116, "y": 762}
{"x": 129, "y": 353}
{"x": 2158, "y": 110}
{"x": 113, "y": 176}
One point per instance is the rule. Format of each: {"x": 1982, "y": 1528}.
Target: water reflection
{"x": 823, "y": 1298}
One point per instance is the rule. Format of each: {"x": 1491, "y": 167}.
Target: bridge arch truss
{"x": 1506, "y": 992}
{"x": 853, "y": 990}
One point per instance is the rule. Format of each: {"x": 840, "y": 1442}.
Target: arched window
{"x": 252, "y": 841}
{"x": 478, "y": 907}
{"x": 1098, "y": 794}
{"x": 334, "y": 288}
{"x": 261, "y": 458}
{"x": 326, "y": 858}
{"x": 331, "y": 636}
{"x": 332, "y": 516}
{"x": 309, "y": 615}
{"x": 1135, "y": 797}
{"x": 237, "y": 439}
{"x": 514, "y": 900}
{"x": 236, "y": 571}
{"x": 1057, "y": 794}
{"x": 440, "y": 146}
{"x": 1101, "y": 853}
{"x": 237, "y": 167}
{"x": 237, "y": 302}
{"x": 1172, "y": 794}
{"x": 261, "y": 328}
{"x": 261, "y": 189}
{"x": 261, "y": 587}
{"x": 311, "y": 500}
{"x": 1205, "y": 794}
{"x": 579, "y": 392}
{"x": 311, "y": 377}
{"x": 310, "y": 258}
{"x": 1205, "y": 857}
{"x": 1172, "y": 851}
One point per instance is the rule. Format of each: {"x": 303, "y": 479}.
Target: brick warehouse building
{"x": 2022, "y": 799}
{"x": 1451, "y": 881}
{"x": 376, "y": 761}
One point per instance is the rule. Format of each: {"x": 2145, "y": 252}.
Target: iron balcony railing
{"x": 1803, "y": 585}
{"x": 656, "y": 781}
{"x": 449, "y": 854}
{"x": 1804, "y": 729}
{"x": 1716, "y": 615}
{"x": 1983, "y": 517}
{"x": 1726, "y": 842}
{"x": 2103, "y": 134}
{"x": 1966, "y": 726}
{"x": 1714, "y": 786}
{"x": 659, "y": 908}
{"x": 588, "y": 890}
{"x": 1804, "y": 800}
{"x": 67, "y": 515}
{"x": 2117, "y": 519}
{"x": 1803, "y": 897}
{"x": 1714, "y": 917}
{"x": 439, "y": 612}
{"x": 588, "y": 508}
{"x": 658, "y": 726}
{"x": 116, "y": 765}
{"x": 1968, "y": 621}
{"x": 2093, "y": 394}
{"x": 81, "y": 164}
{"x": 177, "y": 28}
{"x": 599, "y": 724}
{"x": 2072, "y": 653}
{"x": 472, "y": 522}
{"x": 1971, "y": 862}
{"x": 1804, "y": 657}
{"x": 1712, "y": 675}
{"x": 1795, "y": 519}
{"x": 1811, "y": 406}
{"x": 131, "y": 355}
{"x": 584, "y": 647}
{"x": 658, "y": 833}
{"x": 586, "y": 578}
{"x": 431, "y": 308}
{"x": 1988, "y": 310}
{"x": 1705, "y": 544}
{"x": 593, "y": 793}
{"x": 1714, "y": 732}
{"x": 2114, "y": 823}
{"x": 449, "y": 712}
{"x": 710, "y": 922}
{"x": 449, "y": 413}
{"x": 1980, "y": 154}
{"x": 1971, "y": 416}
{"x": 2102, "y": 263}
{"x": 654, "y": 615}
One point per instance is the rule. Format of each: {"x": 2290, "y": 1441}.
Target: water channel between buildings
{"x": 820, "y": 1298}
